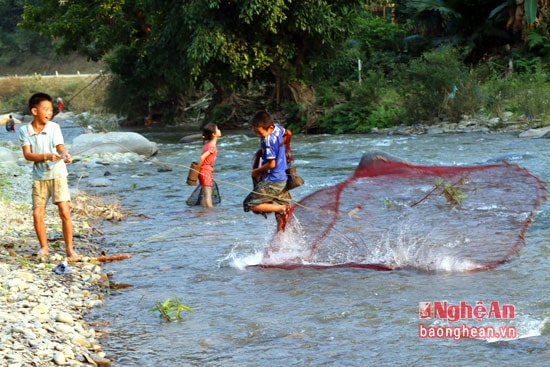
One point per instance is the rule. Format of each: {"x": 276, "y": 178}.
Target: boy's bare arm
{"x": 260, "y": 171}
{"x": 38, "y": 157}
{"x": 287, "y": 136}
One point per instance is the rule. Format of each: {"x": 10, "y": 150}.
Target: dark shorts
{"x": 267, "y": 192}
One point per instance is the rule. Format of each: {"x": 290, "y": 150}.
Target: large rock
{"x": 64, "y": 116}
{"x": 8, "y": 157}
{"x": 113, "y": 142}
{"x": 190, "y": 138}
{"x": 543, "y": 132}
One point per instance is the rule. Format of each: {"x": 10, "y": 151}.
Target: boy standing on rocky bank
{"x": 43, "y": 144}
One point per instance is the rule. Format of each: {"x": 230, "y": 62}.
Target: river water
{"x": 304, "y": 317}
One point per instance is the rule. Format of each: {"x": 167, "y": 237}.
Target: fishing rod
{"x": 100, "y": 75}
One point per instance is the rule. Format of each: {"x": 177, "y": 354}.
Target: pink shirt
{"x": 211, "y": 158}
{"x": 206, "y": 171}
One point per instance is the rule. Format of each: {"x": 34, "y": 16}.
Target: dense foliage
{"x": 162, "y": 50}
{"x": 333, "y": 66}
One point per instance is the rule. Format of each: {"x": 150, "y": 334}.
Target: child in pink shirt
{"x": 210, "y": 135}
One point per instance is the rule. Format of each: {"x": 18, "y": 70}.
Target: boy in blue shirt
{"x": 269, "y": 194}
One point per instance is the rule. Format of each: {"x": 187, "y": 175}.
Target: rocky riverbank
{"x": 507, "y": 123}
{"x": 42, "y": 311}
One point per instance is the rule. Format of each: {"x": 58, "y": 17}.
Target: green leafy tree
{"x": 161, "y": 50}
{"x": 478, "y": 24}
{"x": 10, "y": 10}
{"x": 473, "y": 24}
{"x": 14, "y": 41}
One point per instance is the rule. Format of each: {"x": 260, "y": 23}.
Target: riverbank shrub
{"x": 359, "y": 107}
{"x": 527, "y": 95}
{"x": 438, "y": 85}
{"x": 435, "y": 86}
{"x": 79, "y": 93}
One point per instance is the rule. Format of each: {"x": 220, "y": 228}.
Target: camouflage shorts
{"x": 267, "y": 192}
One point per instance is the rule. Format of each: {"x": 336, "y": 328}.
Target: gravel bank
{"x": 41, "y": 312}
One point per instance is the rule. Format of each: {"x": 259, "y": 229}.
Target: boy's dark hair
{"x": 208, "y": 131}
{"x": 262, "y": 119}
{"x": 36, "y": 98}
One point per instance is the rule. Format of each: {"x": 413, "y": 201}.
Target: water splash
{"x": 241, "y": 261}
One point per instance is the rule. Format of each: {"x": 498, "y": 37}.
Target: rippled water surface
{"x": 304, "y": 317}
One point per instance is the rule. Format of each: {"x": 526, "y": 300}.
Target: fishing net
{"x": 391, "y": 214}
{"x": 196, "y": 196}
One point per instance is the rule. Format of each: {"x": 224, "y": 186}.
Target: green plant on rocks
{"x": 171, "y": 309}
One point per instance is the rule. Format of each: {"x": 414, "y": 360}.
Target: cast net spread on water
{"x": 392, "y": 214}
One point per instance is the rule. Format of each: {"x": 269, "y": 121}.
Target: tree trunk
{"x": 304, "y": 97}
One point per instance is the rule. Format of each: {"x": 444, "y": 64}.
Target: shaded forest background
{"x": 341, "y": 66}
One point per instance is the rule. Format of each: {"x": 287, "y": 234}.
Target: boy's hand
{"x": 67, "y": 157}
{"x": 288, "y": 155}
{"x": 256, "y": 175}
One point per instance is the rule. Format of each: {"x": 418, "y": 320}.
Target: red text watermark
{"x": 464, "y": 311}
{"x": 464, "y": 331}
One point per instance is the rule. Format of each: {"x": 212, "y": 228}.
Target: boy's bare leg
{"x": 64, "y": 208}
{"x": 279, "y": 209}
{"x": 283, "y": 218}
{"x": 280, "y": 223}
{"x": 269, "y": 208}
{"x": 40, "y": 229}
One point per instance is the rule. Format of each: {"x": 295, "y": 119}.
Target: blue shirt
{"x": 273, "y": 147}
{"x": 44, "y": 142}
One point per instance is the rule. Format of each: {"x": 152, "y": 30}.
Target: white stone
{"x": 113, "y": 142}
{"x": 39, "y": 309}
{"x": 59, "y": 358}
{"x": 100, "y": 182}
{"x": 64, "y": 328}
{"x": 25, "y": 276}
{"x": 9, "y": 157}
{"x": 536, "y": 133}
{"x": 13, "y": 284}
{"x": 64, "y": 317}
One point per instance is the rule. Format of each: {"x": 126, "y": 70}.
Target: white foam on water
{"x": 286, "y": 247}
{"x": 452, "y": 264}
{"x": 526, "y": 327}
{"x": 240, "y": 260}
{"x": 420, "y": 254}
